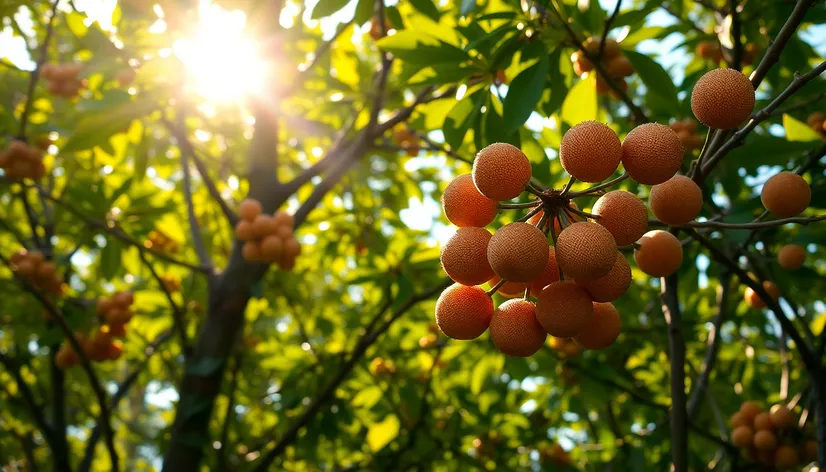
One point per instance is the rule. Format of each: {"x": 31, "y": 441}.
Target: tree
{"x": 139, "y": 333}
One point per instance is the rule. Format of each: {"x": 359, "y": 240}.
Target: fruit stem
{"x": 596, "y": 188}
{"x": 543, "y": 220}
{"x": 568, "y": 186}
{"x": 536, "y": 210}
{"x": 532, "y": 189}
{"x": 527, "y": 292}
{"x": 495, "y": 288}
{"x": 553, "y": 238}
{"x": 697, "y": 163}
{"x": 515, "y": 206}
{"x": 582, "y": 213}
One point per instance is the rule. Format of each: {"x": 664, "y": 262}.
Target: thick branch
{"x": 736, "y": 38}
{"x": 676, "y": 347}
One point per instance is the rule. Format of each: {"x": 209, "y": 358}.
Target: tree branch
{"x": 355, "y": 356}
{"x": 736, "y": 35}
{"x": 35, "y": 74}
{"x": 676, "y": 347}
{"x": 194, "y": 226}
{"x": 35, "y": 409}
{"x": 801, "y": 220}
{"x": 221, "y": 452}
{"x": 786, "y": 32}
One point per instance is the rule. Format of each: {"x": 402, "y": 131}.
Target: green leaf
{"x": 327, "y": 7}
{"x": 96, "y": 127}
{"x": 818, "y": 324}
{"x": 418, "y": 48}
{"x": 380, "y": 434}
{"x": 797, "y": 130}
{"x": 124, "y": 187}
{"x": 110, "y": 259}
{"x": 482, "y": 372}
{"x": 523, "y": 94}
{"x": 368, "y": 397}
{"x": 460, "y": 117}
{"x": 426, "y": 7}
{"x": 581, "y": 103}
{"x": 655, "y": 78}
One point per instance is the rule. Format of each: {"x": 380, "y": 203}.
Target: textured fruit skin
{"x": 742, "y": 436}
{"x": 612, "y": 285}
{"x": 518, "y": 252}
{"x": 464, "y": 256}
{"x": 603, "y": 330}
{"x": 676, "y": 201}
{"x": 786, "y": 194}
{"x": 564, "y": 309}
{"x": 660, "y": 253}
{"x": 786, "y": 458}
{"x": 765, "y": 440}
{"x": 508, "y": 289}
{"x": 652, "y": 153}
{"x": 590, "y": 151}
{"x": 623, "y": 215}
{"x": 514, "y": 329}
{"x": 763, "y": 421}
{"x": 501, "y": 171}
{"x": 465, "y": 206}
{"x": 548, "y": 276}
{"x": 749, "y": 411}
{"x": 791, "y": 257}
{"x": 722, "y": 98}
{"x": 463, "y": 312}
{"x": 782, "y": 418}
{"x": 586, "y": 251}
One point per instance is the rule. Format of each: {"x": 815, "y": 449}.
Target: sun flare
{"x": 223, "y": 64}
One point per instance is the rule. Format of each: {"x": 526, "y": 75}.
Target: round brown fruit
{"x": 501, "y": 171}
{"x": 465, "y": 206}
{"x": 251, "y": 252}
{"x": 782, "y": 418}
{"x": 564, "y": 309}
{"x": 660, "y": 253}
{"x": 765, "y": 440}
{"x": 809, "y": 451}
{"x": 514, "y": 329}
{"x": 518, "y": 252}
{"x": 619, "y": 66}
{"x": 508, "y": 289}
{"x": 623, "y": 215}
{"x": 676, "y": 201}
{"x": 749, "y": 411}
{"x": 243, "y": 230}
{"x": 816, "y": 119}
{"x": 722, "y": 98}
{"x": 738, "y": 419}
{"x": 791, "y": 256}
{"x": 272, "y": 247}
{"x": 548, "y": 276}
{"x": 465, "y": 256}
{"x": 786, "y": 458}
{"x": 586, "y": 251}
{"x": 742, "y": 436}
{"x": 753, "y": 300}
{"x": 463, "y": 312}
{"x": 249, "y": 209}
{"x": 590, "y": 151}
{"x": 652, "y": 153}
{"x": 612, "y": 285}
{"x": 763, "y": 421}
{"x": 786, "y": 194}
{"x": 603, "y": 330}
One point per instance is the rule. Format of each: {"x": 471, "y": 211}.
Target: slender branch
{"x": 100, "y": 394}
{"x": 676, "y": 347}
{"x": 739, "y": 137}
{"x": 801, "y": 220}
{"x": 803, "y": 104}
{"x": 355, "y": 356}
{"x": 177, "y": 311}
{"x": 736, "y": 36}
{"x": 568, "y": 185}
{"x": 35, "y": 74}
{"x": 713, "y": 342}
{"x": 608, "y": 22}
{"x": 194, "y": 226}
{"x": 786, "y": 32}
{"x": 35, "y": 409}
{"x": 422, "y": 98}
{"x": 596, "y": 188}
{"x": 188, "y": 150}
{"x": 517, "y": 206}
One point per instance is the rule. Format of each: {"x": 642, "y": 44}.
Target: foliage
{"x": 290, "y": 375}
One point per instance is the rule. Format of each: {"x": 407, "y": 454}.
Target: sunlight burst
{"x": 224, "y": 64}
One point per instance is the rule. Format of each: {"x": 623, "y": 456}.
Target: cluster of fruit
{"x": 113, "y": 313}
{"x": 62, "y": 79}
{"x": 555, "y": 455}
{"x": 267, "y": 238}
{"x": 687, "y": 132}
{"x": 375, "y": 28}
{"x": 21, "y": 161}
{"x": 380, "y": 366}
{"x": 711, "y": 50}
{"x": 790, "y": 257}
{"x": 567, "y": 348}
{"x": 159, "y": 241}
{"x": 39, "y": 272}
{"x": 171, "y": 283}
{"x": 406, "y": 140}
{"x": 575, "y": 281}
{"x": 817, "y": 121}
{"x": 617, "y": 66}
{"x": 772, "y": 438}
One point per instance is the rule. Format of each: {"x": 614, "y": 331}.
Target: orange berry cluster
{"x": 407, "y": 141}
{"x": 772, "y": 438}
{"x": 565, "y": 347}
{"x": 171, "y": 283}
{"x": 62, "y": 80}
{"x": 267, "y": 238}
{"x": 817, "y": 121}
{"x": 753, "y": 300}
{"x": 39, "y": 272}
{"x": 21, "y": 161}
{"x": 381, "y": 366}
{"x": 617, "y": 65}
{"x": 687, "y": 132}
{"x": 113, "y": 313}
{"x": 555, "y": 455}
{"x": 160, "y": 241}
{"x": 711, "y": 50}
{"x": 375, "y": 30}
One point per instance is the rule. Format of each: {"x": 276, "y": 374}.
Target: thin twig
{"x": 177, "y": 311}
{"x": 35, "y": 74}
{"x": 736, "y": 38}
{"x": 776, "y": 47}
{"x": 597, "y": 188}
{"x": 800, "y": 220}
{"x": 194, "y": 226}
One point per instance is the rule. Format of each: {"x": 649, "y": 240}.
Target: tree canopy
{"x": 144, "y": 328}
